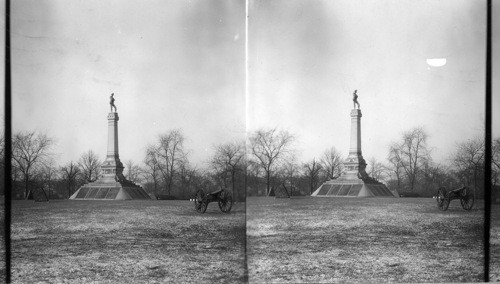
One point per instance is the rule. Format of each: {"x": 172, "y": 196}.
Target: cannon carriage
{"x": 464, "y": 193}
{"x": 222, "y": 197}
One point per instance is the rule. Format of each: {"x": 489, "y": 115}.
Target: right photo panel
{"x": 365, "y": 142}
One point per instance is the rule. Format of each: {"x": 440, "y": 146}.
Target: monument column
{"x": 355, "y": 164}
{"x": 355, "y": 148}
{"x": 112, "y": 167}
{"x": 112, "y": 136}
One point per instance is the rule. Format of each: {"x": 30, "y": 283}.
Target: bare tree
{"x": 186, "y": 177}
{"x": 152, "y": 169}
{"x": 436, "y": 175}
{"x": 48, "y": 175}
{"x": 133, "y": 171}
{"x": 69, "y": 173}
{"x": 376, "y": 169}
{"x": 89, "y": 164}
{"x": 289, "y": 170}
{"x": 252, "y": 174}
{"x": 227, "y": 160}
{"x": 469, "y": 160}
{"x": 29, "y": 150}
{"x": 170, "y": 154}
{"x": 312, "y": 170}
{"x": 331, "y": 163}
{"x": 395, "y": 167}
{"x": 411, "y": 153}
{"x": 268, "y": 147}
{"x": 495, "y": 161}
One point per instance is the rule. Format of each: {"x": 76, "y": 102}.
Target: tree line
{"x": 265, "y": 164}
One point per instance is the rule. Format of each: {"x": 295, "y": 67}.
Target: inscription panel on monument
{"x": 344, "y": 190}
{"x": 93, "y": 192}
{"x": 324, "y": 189}
{"x": 83, "y": 192}
{"x": 334, "y": 190}
{"x": 103, "y": 191}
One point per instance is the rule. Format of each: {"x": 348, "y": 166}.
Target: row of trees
{"x": 165, "y": 169}
{"x": 409, "y": 168}
{"x": 33, "y": 166}
{"x": 412, "y": 170}
{"x": 264, "y": 164}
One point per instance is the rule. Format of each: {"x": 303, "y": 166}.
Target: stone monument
{"x": 354, "y": 182}
{"x": 112, "y": 184}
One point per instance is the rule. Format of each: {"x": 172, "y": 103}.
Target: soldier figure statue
{"x": 355, "y": 99}
{"x": 112, "y": 102}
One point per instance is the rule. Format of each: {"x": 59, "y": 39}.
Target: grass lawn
{"x": 126, "y": 242}
{"x": 363, "y": 239}
{"x": 495, "y": 243}
{"x": 2, "y": 239}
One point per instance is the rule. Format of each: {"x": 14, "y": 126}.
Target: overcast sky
{"x": 181, "y": 64}
{"x": 171, "y": 64}
{"x": 307, "y": 58}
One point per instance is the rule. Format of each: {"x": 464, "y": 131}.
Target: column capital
{"x": 356, "y": 113}
{"x": 113, "y": 116}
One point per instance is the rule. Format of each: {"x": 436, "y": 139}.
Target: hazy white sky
{"x": 307, "y": 58}
{"x": 171, "y": 64}
{"x": 181, "y": 64}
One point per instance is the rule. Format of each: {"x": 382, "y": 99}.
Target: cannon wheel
{"x": 442, "y": 200}
{"x": 199, "y": 204}
{"x": 467, "y": 198}
{"x": 225, "y": 202}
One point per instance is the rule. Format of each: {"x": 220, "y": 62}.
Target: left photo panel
{"x": 128, "y": 141}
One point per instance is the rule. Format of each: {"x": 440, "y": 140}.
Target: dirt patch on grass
{"x": 126, "y": 242}
{"x": 358, "y": 240}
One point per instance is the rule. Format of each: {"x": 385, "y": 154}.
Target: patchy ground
{"x": 126, "y": 242}
{"x": 2, "y": 239}
{"x": 363, "y": 239}
{"x": 495, "y": 243}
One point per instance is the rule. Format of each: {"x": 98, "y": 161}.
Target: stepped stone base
{"x": 355, "y": 182}
{"x": 112, "y": 185}
{"x": 353, "y": 187}
{"x": 124, "y": 190}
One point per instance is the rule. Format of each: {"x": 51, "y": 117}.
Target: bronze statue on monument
{"x": 112, "y": 102}
{"x": 355, "y": 99}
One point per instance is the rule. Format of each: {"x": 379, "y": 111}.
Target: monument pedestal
{"x": 355, "y": 182}
{"x": 112, "y": 184}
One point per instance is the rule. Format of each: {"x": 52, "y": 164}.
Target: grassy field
{"x": 2, "y": 239}
{"x": 363, "y": 239}
{"x": 495, "y": 244}
{"x": 126, "y": 242}
{"x": 288, "y": 240}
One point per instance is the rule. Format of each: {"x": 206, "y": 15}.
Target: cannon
{"x": 222, "y": 196}
{"x": 464, "y": 193}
